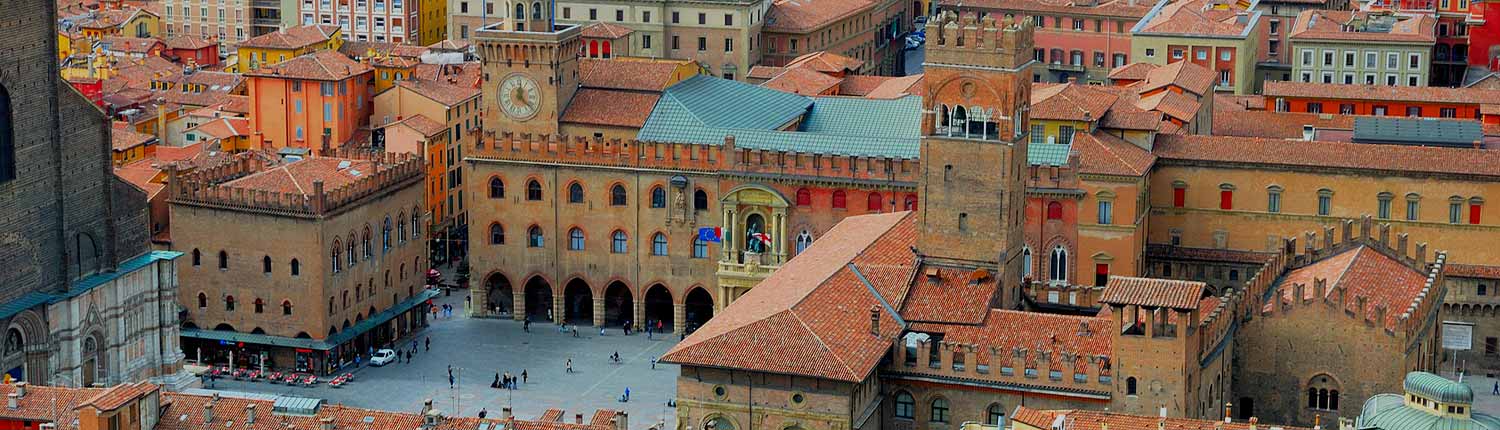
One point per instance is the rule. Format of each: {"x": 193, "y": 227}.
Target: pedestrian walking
{"x": 496, "y": 384}
{"x": 526, "y": 325}
{"x": 450, "y": 380}
{"x": 523, "y": 376}
{"x": 1496, "y": 391}
{"x": 399, "y": 354}
{"x": 627, "y": 394}
{"x": 601, "y": 331}
{"x": 429, "y": 343}
{"x": 653, "y": 363}
{"x": 570, "y": 365}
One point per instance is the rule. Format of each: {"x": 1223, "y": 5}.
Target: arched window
{"x": 533, "y": 188}
{"x": 700, "y": 248}
{"x": 700, "y": 200}
{"x": 286, "y": 307}
{"x": 659, "y": 244}
{"x": 520, "y": 11}
{"x": 911, "y": 203}
{"x": 416, "y": 229}
{"x": 906, "y": 406}
{"x": 265, "y": 265}
{"x": 840, "y": 201}
{"x": 335, "y": 257}
{"x": 575, "y": 193}
{"x": 804, "y": 197}
{"x": 260, "y": 306}
{"x": 296, "y": 267}
{"x": 330, "y": 305}
{"x": 1273, "y": 199}
{"x": 401, "y": 228}
{"x": 1484, "y": 290}
{"x": 617, "y": 195}
{"x": 228, "y": 303}
{"x": 575, "y": 239}
{"x": 385, "y": 235}
{"x": 1026, "y": 262}
{"x": 223, "y": 260}
{"x": 995, "y": 415}
{"x": 497, "y": 188}
{"x": 804, "y": 240}
{"x": 534, "y": 237}
{"x": 7, "y": 138}
{"x": 619, "y": 242}
{"x": 1323, "y": 393}
{"x": 536, "y": 10}
{"x": 497, "y": 234}
{"x": 1054, "y": 210}
{"x": 873, "y": 203}
{"x": 1130, "y": 386}
{"x": 202, "y": 300}
{"x": 368, "y": 244}
{"x": 939, "y": 410}
{"x": 658, "y": 197}
{"x": 1057, "y": 268}
{"x": 197, "y": 257}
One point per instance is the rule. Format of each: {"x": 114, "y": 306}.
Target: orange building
{"x": 308, "y": 101}
{"x": 1382, "y": 100}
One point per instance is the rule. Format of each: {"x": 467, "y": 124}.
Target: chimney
{"x": 48, "y": 426}
{"x": 21, "y": 389}
{"x": 621, "y": 421}
{"x": 12, "y": 401}
{"x": 505, "y": 413}
{"x": 426, "y": 406}
{"x": 208, "y": 413}
{"x": 326, "y": 423}
{"x": 250, "y": 413}
{"x": 577, "y": 418}
{"x": 875, "y": 320}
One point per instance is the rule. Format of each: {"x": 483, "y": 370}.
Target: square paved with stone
{"x": 478, "y": 348}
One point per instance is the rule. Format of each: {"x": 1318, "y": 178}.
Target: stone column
{"x": 781, "y": 238}
{"x": 724, "y": 248}
{"x": 518, "y": 303}
{"x": 479, "y": 305}
{"x": 558, "y": 308}
{"x": 639, "y": 311}
{"x": 679, "y": 318}
{"x": 730, "y": 231}
{"x": 598, "y": 311}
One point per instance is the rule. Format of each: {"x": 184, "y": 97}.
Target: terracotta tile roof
{"x": 1211, "y": 18}
{"x": 1174, "y": 104}
{"x": 422, "y": 124}
{"x": 1396, "y": 93}
{"x": 298, "y": 177}
{"x": 1099, "y": 420}
{"x": 860, "y": 85}
{"x": 1182, "y": 74}
{"x": 142, "y": 174}
{"x": 235, "y": 104}
{"x": 320, "y": 66}
{"x": 621, "y": 74}
{"x": 1337, "y": 25}
{"x": 138, "y": 73}
{"x": 109, "y": 18}
{"x": 797, "y": 16}
{"x": 802, "y": 81}
{"x": 610, "y": 107}
{"x": 185, "y": 412}
{"x": 896, "y": 88}
{"x": 450, "y": 45}
{"x": 1132, "y": 71}
{"x": 1070, "y": 102}
{"x": 366, "y": 49}
{"x": 1206, "y": 254}
{"x": 1392, "y": 158}
{"x": 604, "y": 30}
{"x": 1364, "y": 272}
{"x": 117, "y": 396}
{"x": 1231, "y": 102}
{"x": 812, "y": 316}
{"x": 292, "y": 38}
{"x": 825, "y": 62}
{"x": 1152, "y": 292}
{"x": 1104, "y": 154}
{"x": 1471, "y": 271}
{"x": 47, "y": 404}
{"x": 133, "y": 45}
{"x": 224, "y": 128}
{"x": 394, "y": 62}
{"x": 946, "y": 295}
{"x": 466, "y": 74}
{"x": 189, "y": 42}
{"x": 1008, "y": 330}
{"x": 441, "y": 92}
{"x": 122, "y": 137}
{"x": 1271, "y": 124}
{"x": 1106, "y": 8}
{"x": 764, "y": 72}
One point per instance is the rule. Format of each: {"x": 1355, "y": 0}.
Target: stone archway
{"x": 659, "y": 306}
{"x": 698, "y": 308}
{"x": 501, "y": 298}
{"x": 619, "y": 304}
{"x": 538, "y": 299}
{"x": 578, "y": 302}
{"x": 22, "y": 353}
{"x": 93, "y": 362}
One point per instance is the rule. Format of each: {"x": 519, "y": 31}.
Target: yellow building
{"x": 1220, "y": 35}
{"x": 434, "y": 19}
{"x": 128, "y": 146}
{"x": 392, "y": 69}
{"x": 455, "y": 109}
{"x": 127, "y": 21}
{"x": 273, "y": 48}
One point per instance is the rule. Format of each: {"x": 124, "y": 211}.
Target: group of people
{"x": 509, "y": 381}
{"x": 445, "y": 309}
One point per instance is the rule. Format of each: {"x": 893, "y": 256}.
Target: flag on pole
{"x": 710, "y": 234}
{"x": 763, "y": 238}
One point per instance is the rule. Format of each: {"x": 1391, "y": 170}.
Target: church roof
{"x": 1437, "y": 388}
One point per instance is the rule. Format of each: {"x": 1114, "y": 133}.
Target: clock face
{"x": 519, "y": 97}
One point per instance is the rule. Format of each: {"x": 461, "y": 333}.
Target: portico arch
{"x": 578, "y": 302}
{"x": 538, "y": 299}
{"x": 23, "y": 354}
{"x": 619, "y": 303}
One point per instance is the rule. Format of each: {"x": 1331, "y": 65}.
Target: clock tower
{"x": 530, "y": 70}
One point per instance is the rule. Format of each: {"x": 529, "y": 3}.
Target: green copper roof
{"x": 1044, "y": 154}
{"x": 1438, "y": 388}
{"x": 1390, "y": 412}
{"x": 705, "y": 109}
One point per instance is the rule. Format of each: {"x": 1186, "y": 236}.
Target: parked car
{"x": 382, "y": 357}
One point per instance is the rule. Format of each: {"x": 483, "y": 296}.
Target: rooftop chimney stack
{"x": 21, "y": 388}
{"x": 208, "y": 413}
{"x": 875, "y": 320}
{"x": 12, "y": 401}
{"x": 505, "y": 413}
{"x": 326, "y": 423}
{"x": 577, "y": 418}
{"x": 250, "y": 413}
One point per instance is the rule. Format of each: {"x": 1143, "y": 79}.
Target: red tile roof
{"x": 441, "y": 92}
{"x": 466, "y": 74}
{"x": 1471, "y": 271}
{"x": 604, "y": 30}
{"x": 185, "y": 412}
{"x": 1232, "y": 102}
{"x": 825, "y": 62}
{"x": 1008, "y": 330}
{"x": 1104, "y": 154}
{"x": 1206, "y": 254}
{"x": 1174, "y": 104}
{"x": 1339, "y": 25}
{"x": 627, "y": 74}
{"x": 812, "y": 316}
{"x": 1211, "y": 18}
{"x": 610, "y": 107}
{"x": 189, "y": 42}
{"x": 1364, "y": 272}
{"x": 1105, "y": 8}
{"x": 224, "y": 128}
{"x": 298, "y": 177}
{"x": 117, "y": 396}
{"x": 895, "y": 88}
{"x": 764, "y": 72}
{"x": 1070, "y": 102}
{"x": 1396, "y": 93}
{"x": 1132, "y": 71}
{"x": 133, "y": 45}
{"x": 422, "y": 124}
{"x": 1152, "y": 292}
{"x": 123, "y": 138}
{"x": 319, "y": 66}
{"x": 802, "y": 81}
{"x": 798, "y": 16}
{"x": 450, "y": 45}
{"x": 292, "y": 38}
{"x": 47, "y": 404}
{"x": 1099, "y": 420}
{"x": 1182, "y": 74}
{"x": 141, "y": 174}
{"x": 947, "y": 295}
{"x": 1271, "y": 124}
{"x": 1390, "y": 158}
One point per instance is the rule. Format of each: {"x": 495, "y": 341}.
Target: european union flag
{"x": 709, "y": 234}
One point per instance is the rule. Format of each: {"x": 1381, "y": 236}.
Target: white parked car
{"x": 382, "y": 357}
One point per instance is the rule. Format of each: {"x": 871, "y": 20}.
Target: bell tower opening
{"x": 530, "y": 68}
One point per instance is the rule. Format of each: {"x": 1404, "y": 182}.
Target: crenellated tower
{"x": 530, "y": 70}
{"x": 978, "y": 86}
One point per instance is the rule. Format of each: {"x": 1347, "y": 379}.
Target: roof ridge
{"x": 848, "y": 372}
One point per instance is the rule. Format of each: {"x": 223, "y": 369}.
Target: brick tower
{"x": 978, "y": 83}
{"x": 530, "y": 68}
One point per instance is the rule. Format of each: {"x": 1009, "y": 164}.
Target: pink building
{"x": 1081, "y": 39}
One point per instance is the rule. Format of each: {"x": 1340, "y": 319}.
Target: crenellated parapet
{"x": 981, "y": 41}
{"x": 214, "y": 187}
{"x": 689, "y": 157}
